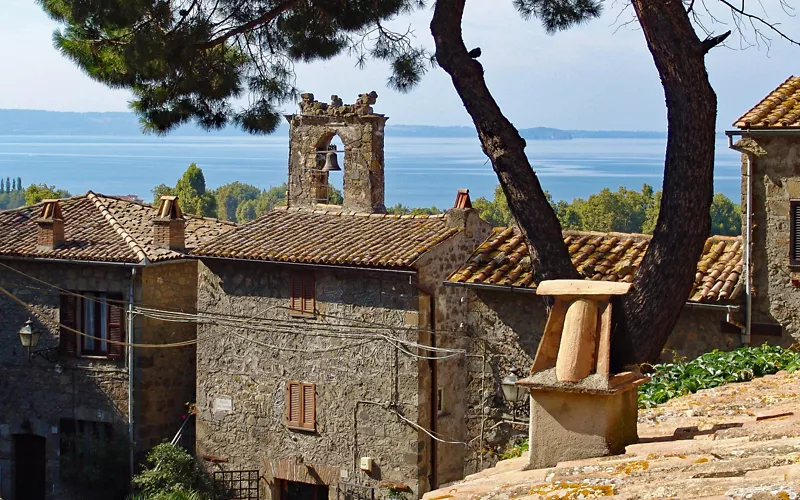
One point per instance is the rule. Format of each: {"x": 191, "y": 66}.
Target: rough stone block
{"x": 574, "y": 425}
{"x": 793, "y": 188}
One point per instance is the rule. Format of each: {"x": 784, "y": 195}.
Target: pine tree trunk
{"x": 648, "y": 314}
{"x": 665, "y": 278}
{"x": 503, "y": 145}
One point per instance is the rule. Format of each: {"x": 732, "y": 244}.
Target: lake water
{"x": 419, "y": 171}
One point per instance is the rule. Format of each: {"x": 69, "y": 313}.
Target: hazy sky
{"x": 586, "y": 78}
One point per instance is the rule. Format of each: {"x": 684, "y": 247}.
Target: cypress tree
{"x": 19, "y": 183}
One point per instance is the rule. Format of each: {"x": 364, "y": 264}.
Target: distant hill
{"x": 33, "y": 122}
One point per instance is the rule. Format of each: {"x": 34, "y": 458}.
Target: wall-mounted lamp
{"x": 29, "y": 338}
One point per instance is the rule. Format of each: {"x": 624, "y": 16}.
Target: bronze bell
{"x": 331, "y": 162}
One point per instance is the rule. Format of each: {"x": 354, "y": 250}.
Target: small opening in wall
{"x": 330, "y": 183}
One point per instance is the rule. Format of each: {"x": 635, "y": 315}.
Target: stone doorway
{"x": 30, "y": 461}
{"x": 295, "y": 490}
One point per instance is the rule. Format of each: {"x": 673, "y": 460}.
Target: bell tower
{"x": 310, "y": 159}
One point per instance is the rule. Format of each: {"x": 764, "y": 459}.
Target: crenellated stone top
{"x": 362, "y": 106}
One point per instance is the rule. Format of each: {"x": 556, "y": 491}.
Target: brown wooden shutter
{"x": 794, "y": 240}
{"x": 296, "y": 301}
{"x": 308, "y": 293}
{"x": 309, "y": 406}
{"x": 68, "y": 309}
{"x": 293, "y": 404}
{"x": 116, "y": 327}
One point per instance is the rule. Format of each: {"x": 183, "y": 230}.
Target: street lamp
{"x": 513, "y": 393}
{"x": 29, "y": 338}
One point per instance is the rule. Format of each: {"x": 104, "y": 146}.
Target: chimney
{"x": 50, "y": 233}
{"x": 169, "y": 226}
{"x": 462, "y": 199}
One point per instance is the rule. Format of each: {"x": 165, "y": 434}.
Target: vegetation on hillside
{"x": 13, "y": 195}
{"x": 624, "y": 210}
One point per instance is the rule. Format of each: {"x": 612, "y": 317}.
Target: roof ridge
{"x": 140, "y": 253}
{"x": 26, "y": 207}
{"x": 742, "y": 123}
{"x": 353, "y": 213}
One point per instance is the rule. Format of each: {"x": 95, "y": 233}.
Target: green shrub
{"x": 671, "y": 380}
{"x": 515, "y": 451}
{"x": 171, "y": 474}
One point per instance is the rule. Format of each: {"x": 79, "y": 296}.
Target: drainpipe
{"x": 130, "y": 364}
{"x": 748, "y": 237}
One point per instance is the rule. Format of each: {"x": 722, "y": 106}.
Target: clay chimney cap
{"x": 51, "y": 209}
{"x": 462, "y": 199}
{"x": 169, "y": 208}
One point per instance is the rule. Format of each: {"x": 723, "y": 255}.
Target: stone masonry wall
{"x": 165, "y": 378}
{"x": 503, "y": 330}
{"x": 36, "y": 394}
{"x": 363, "y": 169}
{"x": 242, "y": 374}
{"x": 434, "y": 267}
{"x": 776, "y": 182}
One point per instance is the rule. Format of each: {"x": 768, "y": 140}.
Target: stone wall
{"x": 502, "y": 333}
{"x": 362, "y": 134}
{"x": 361, "y": 381}
{"x": 35, "y": 395}
{"x": 165, "y": 378}
{"x": 450, "y": 318}
{"x": 776, "y": 182}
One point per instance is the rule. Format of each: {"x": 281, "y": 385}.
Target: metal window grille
{"x": 236, "y": 484}
{"x": 350, "y": 491}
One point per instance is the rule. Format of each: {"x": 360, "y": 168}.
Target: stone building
{"x": 325, "y": 351}
{"x": 769, "y": 140}
{"x": 70, "y": 406}
{"x": 505, "y": 319}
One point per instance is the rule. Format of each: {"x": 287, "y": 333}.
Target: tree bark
{"x": 646, "y": 316}
{"x": 503, "y": 145}
{"x": 666, "y": 275}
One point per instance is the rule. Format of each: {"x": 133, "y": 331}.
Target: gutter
{"x": 309, "y": 264}
{"x": 728, "y": 309}
{"x": 748, "y": 232}
{"x": 74, "y": 261}
{"x": 130, "y": 364}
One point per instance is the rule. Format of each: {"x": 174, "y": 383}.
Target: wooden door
{"x": 30, "y": 460}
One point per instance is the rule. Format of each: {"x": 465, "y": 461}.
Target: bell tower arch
{"x": 362, "y": 134}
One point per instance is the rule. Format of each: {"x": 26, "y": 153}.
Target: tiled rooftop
{"x": 503, "y": 260}
{"x": 100, "y": 228}
{"x": 332, "y": 238}
{"x": 780, "y": 109}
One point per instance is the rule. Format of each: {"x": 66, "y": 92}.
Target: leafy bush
{"x": 671, "y": 380}
{"x": 515, "y": 451}
{"x": 171, "y": 474}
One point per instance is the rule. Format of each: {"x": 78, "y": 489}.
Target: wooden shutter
{"x": 116, "y": 327}
{"x": 794, "y": 240}
{"x": 308, "y": 293}
{"x": 302, "y": 294}
{"x": 309, "y": 406}
{"x": 296, "y": 301}
{"x": 68, "y": 309}
{"x": 293, "y": 404}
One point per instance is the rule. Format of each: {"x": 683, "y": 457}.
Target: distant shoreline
{"x": 41, "y": 123}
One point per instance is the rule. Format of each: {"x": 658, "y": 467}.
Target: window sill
{"x": 298, "y": 314}
{"x": 301, "y": 429}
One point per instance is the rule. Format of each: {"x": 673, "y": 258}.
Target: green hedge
{"x": 671, "y": 380}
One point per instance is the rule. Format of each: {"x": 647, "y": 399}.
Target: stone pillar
{"x": 361, "y": 132}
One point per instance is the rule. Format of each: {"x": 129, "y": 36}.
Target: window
{"x": 301, "y": 302}
{"x": 301, "y": 406}
{"x": 99, "y": 316}
{"x": 794, "y": 237}
{"x": 77, "y": 438}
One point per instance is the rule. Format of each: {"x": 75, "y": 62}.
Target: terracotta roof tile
{"x": 333, "y": 238}
{"x": 503, "y": 260}
{"x": 100, "y": 228}
{"x": 780, "y": 109}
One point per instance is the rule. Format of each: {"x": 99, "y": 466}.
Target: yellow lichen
{"x": 631, "y": 467}
{"x": 571, "y": 491}
{"x": 701, "y": 460}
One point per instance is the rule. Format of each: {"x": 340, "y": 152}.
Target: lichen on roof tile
{"x": 779, "y": 109}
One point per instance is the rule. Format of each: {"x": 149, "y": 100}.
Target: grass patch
{"x": 515, "y": 451}
{"x": 672, "y": 380}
